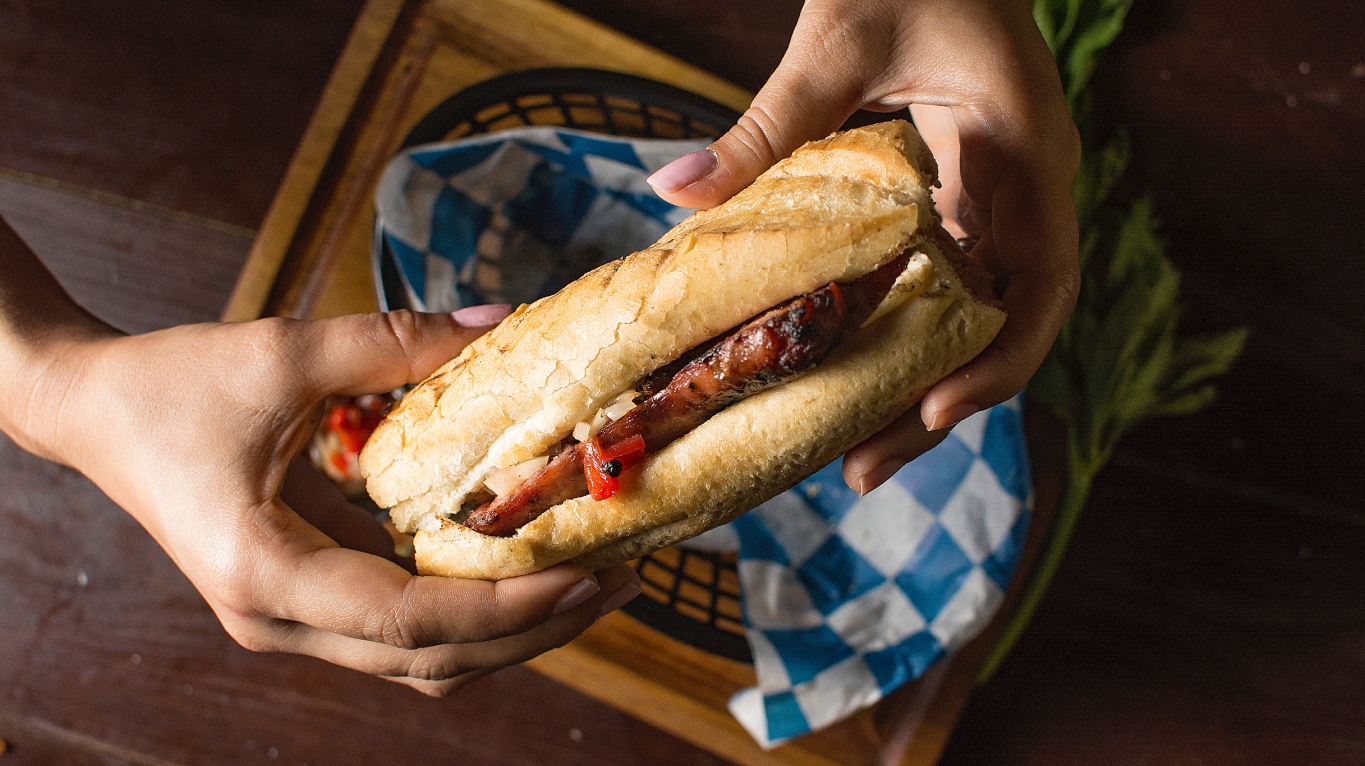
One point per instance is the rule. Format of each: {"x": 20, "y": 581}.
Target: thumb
{"x": 370, "y": 353}
{"x": 812, "y": 93}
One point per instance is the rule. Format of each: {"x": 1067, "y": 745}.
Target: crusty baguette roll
{"x": 836, "y": 209}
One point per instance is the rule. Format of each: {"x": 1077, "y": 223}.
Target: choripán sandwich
{"x": 667, "y": 392}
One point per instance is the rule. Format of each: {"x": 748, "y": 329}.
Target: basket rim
{"x": 526, "y": 82}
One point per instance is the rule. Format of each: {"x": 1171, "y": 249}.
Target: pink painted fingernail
{"x": 952, "y": 416}
{"x": 481, "y": 316}
{"x": 687, "y": 169}
{"x": 620, "y": 598}
{"x": 879, "y": 475}
{"x": 580, "y": 592}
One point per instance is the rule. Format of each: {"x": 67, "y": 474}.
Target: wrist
{"x": 44, "y": 336}
{"x": 40, "y": 377}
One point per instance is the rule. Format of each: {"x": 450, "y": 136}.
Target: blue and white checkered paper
{"x": 845, "y": 597}
{"x": 848, "y": 597}
{"x": 512, "y": 216}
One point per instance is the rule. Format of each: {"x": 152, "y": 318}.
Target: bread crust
{"x": 836, "y": 209}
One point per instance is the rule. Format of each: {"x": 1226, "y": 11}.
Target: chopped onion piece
{"x": 624, "y": 396}
{"x": 583, "y": 431}
{"x": 507, "y": 479}
{"x": 619, "y": 408}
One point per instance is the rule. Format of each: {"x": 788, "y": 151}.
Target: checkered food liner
{"x": 845, "y": 597}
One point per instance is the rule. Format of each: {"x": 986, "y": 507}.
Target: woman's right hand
{"x": 1008, "y": 150}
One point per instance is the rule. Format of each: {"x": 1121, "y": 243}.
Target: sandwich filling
{"x": 768, "y": 350}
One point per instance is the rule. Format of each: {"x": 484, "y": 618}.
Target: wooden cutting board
{"x": 311, "y": 259}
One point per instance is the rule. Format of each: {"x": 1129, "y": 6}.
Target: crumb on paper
{"x": 576, "y": 735}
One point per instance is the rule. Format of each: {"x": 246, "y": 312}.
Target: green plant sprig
{"x": 1119, "y": 359}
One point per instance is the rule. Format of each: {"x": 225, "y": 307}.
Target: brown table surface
{"x": 1211, "y": 610}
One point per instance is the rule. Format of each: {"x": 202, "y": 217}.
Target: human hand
{"x": 193, "y": 430}
{"x": 989, "y": 103}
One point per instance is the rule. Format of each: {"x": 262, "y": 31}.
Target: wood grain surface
{"x": 195, "y": 105}
{"x": 1209, "y": 611}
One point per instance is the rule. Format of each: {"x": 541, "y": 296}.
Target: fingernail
{"x": 687, "y": 169}
{"x": 620, "y": 598}
{"x": 580, "y": 592}
{"x": 879, "y": 475}
{"x": 952, "y": 416}
{"x": 481, "y": 316}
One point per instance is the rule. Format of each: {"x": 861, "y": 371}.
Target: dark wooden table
{"x": 1211, "y": 610}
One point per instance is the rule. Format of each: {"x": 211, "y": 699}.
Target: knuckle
{"x": 246, "y": 624}
{"x": 756, "y": 130}
{"x": 826, "y": 32}
{"x": 254, "y": 642}
{"x": 237, "y": 599}
{"x": 405, "y": 331}
{"x": 273, "y": 357}
{"x": 438, "y": 664}
{"x": 254, "y": 635}
{"x": 395, "y": 630}
{"x": 232, "y": 582}
{"x": 405, "y": 626}
{"x": 404, "y": 324}
{"x": 272, "y": 337}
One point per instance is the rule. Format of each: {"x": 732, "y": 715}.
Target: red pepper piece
{"x": 600, "y": 485}
{"x": 352, "y": 439}
{"x": 353, "y": 425}
{"x": 336, "y": 418}
{"x": 628, "y": 451}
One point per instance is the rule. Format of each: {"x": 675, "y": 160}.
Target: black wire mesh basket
{"x": 689, "y": 594}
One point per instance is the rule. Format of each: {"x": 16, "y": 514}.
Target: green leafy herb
{"x": 1118, "y": 360}
{"x": 1078, "y": 31}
